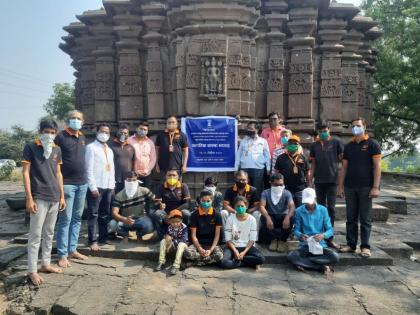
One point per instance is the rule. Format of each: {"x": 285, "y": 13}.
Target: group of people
{"x": 271, "y": 201}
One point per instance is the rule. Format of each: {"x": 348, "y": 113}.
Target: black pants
{"x": 278, "y": 232}
{"x": 99, "y": 214}
{"x": 297, "y": 198}
{"x": 252, "y": 258}
{"x": 256, "y": 178}
{"x": 326, "y": 195}
{"x": 118, "y": 188}
{"x": 147, "y": 181}
{"x": 303, "y": 258}
{"x": 358, "y": 207}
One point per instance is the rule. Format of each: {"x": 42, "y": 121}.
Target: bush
{"x": 6, "y": 171}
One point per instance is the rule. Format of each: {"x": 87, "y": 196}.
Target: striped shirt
{"x": 134, "y": 206}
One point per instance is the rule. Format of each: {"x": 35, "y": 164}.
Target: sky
{"x": 30, "y": 60}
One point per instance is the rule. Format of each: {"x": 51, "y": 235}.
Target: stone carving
{"x": 276, "y": 63}
{"x": 192, "y": 78}
{"x": 193, "y": 60}
{"x": 154, "y": 65}
{"x": 128, "y": 69}
{"x": 234, "y": 81}
{"x": 104, "y": 76}
{"x": 330, "y": 74}
{"x": 213, "y": 46}
{"x": 330, "y": 88}
{"x": 275, "y": 82}
{"x": 246, "y": 80}
{"x": 300, "y": 83}
{"x": 261, "y": 81}
{"x": 213, "y": 76}
{"x": 234, "y": 60}
{"x": 130, "y": 86}
{"x": 104, "y": 90}
{"x": 349, "y": 93}
{"x": 300, "y": 68}
{"x": 154, "y": 82}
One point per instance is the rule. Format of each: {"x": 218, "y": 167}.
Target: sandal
{"x": 365, "y": 253}
{"x": 346, "y": 249}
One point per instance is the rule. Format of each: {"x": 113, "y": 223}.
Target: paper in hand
{"x": 315, "y": 247}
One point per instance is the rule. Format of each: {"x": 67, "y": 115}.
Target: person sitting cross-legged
{"x": 240, "y": 236}
{"x": 312, "y": 228}
{"x": 130, "y": 209}
{"x": 206, "y": 226}
{"x": 277, "y": 211}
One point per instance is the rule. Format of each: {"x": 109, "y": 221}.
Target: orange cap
{"x": 175, "y": 213}
{"x": 294, "y": 138}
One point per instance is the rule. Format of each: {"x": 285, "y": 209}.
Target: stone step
{"x": 396, "y": 205}
{"x": 380, "y": 213}
{"x": 138, "y": 251}
{"x": 11, "y": 253}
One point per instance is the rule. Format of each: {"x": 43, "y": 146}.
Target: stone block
{"x": 379, "y": 212}
{"x": 11, "y": 253}
{"x": 395, "y": 205}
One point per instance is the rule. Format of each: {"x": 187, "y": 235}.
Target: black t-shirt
{"x": 284, "y": 165}
{"x": 171, "y": 160}
{"x": 205, "y": 225}
{"x": 359, "y": 157}
{"x": 124, "y": 156}
{"x": 43, "y": 172}
{"x": 251, "y": 194}
{"x": 173, "y": 198}
{"x": 73, "y": 148}
{"x": 326, "y": 155}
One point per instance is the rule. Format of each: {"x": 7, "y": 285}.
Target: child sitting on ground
{"x": 176, "y": 238}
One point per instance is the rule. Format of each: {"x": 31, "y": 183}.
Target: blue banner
{"x": 212, "y": 143}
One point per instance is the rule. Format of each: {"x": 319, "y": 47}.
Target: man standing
{"x": 273, "y": 133}
{"x": 254, "y": 157}
{"x": 100, "y": 172}
{"x": 295, "y": 168}
{"x": 73, "y": 147}
{"x": 361, "y": 173}
{"x": 325, "y": 154}
{"x": 171, "y": 149}
{"x": 124, "y": 156}
{"x": 145, "y": 153}
{"x": 44, "y": 197}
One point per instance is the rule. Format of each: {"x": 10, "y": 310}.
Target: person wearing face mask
{"x": 72, "y": 143}
{"x": 241, "y": 188}
{"x": 43, "y": 183}
{"x": 294, "y": 166}
{"x": 206, "y": 228}
{"x": 131, "y": 209}
{"x": 210, "y": 184}
{"x": 145, "y": 153}
{"x": 277, "y": 211}
{"x": 171, "y": 149}
{"x": 285, "y": 134}
{"x": 326, "y": 153}
{"x": 99, "y": 161}
{"x": 359, "y": 182}
{"x": 172, "y": 194}
{"x": 312, "y": 221}
{"x": 253, "y": 157}
{"x": 124, "y": 156}
{"x": 273, "y": 133}
{"x": 240, "y": 236}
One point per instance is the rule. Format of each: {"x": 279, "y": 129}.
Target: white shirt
{"x": 99, "y": 161}
{"x": 253, "y": 153}
{"x": 240, "y": 232}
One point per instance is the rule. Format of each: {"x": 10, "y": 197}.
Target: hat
{"x": 174, "y": 214}
{"x": 308, "y": 195}
{"x": 294, "y": 138}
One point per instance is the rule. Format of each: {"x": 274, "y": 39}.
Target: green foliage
{"x": 384, "y": 166}
{"x": 12, "y": 143}
{"x": 61, "y": 102}
{"x": 404, "y": 163}
{"x": 397, "y": 93}
{"x": 6, "y": 171}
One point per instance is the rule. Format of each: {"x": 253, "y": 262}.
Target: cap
{"x": 294, "y": 138}
{"x": 175, "y": 213}
{"x": 308, "y": 195}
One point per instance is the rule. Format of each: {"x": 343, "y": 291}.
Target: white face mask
{"x": 47, "y": 141}
{"x": 276, "y": 192}
{"x": 212, "y": 189}
{"x": 357, "y": 131}
{"x": 131, "y": 188}
{"x": 102, "y": 137}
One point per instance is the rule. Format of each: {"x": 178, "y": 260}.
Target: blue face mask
{"x": 357, "y": 131}
{"x": 75, "y": 124}
{"x": 240, "y": 209}
{"x": 284, "y": 140}
{"x": 205, "y": 204}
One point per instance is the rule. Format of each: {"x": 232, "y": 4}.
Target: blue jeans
{"x": 69, "y": 220}
{"x": 142, "y": 226}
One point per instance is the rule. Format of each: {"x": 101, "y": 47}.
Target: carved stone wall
{"x": 143, "y": 59}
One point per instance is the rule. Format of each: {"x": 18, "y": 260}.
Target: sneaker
{"x": 159, "y": 267}
{"x": 281, "y": 247}
{"x": 273, "y": 245}
{"x": 147, "y": 237}
{"x": 173, "y": 271}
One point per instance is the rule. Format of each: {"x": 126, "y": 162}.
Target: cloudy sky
{"x": 30, "y": 60}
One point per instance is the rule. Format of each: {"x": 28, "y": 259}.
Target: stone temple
{"x": 306, "y": 59}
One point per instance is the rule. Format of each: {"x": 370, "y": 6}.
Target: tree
{"x": 12, "y": 143}
{"x": 61, "y": 102}
{"x": 397, "y": 90}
